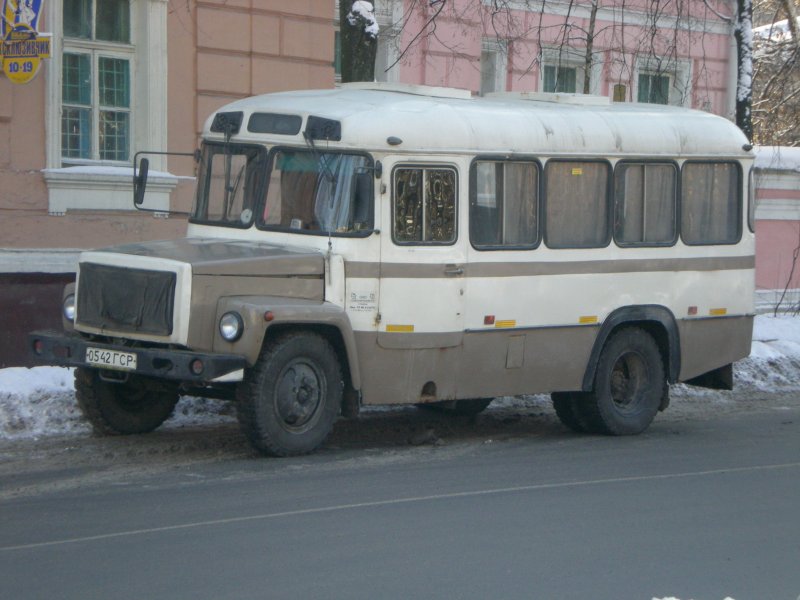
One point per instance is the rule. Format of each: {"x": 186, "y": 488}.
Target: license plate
{"x": 113, "y": 359}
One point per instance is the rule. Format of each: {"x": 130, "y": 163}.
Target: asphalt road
{"x": 703, "y": 508}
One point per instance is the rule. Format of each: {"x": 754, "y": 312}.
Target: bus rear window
{"x": 710, "y": 203}
{"x": 644, "y": 204}
{"x": 576, "y": 204}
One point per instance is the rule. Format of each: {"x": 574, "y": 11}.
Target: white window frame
{"x": 95, "y": 51}
{"x": 494, "y": 51}
{"x": 572, "y": 58}
{"x": 102, "y": 185}
{"x": 678, "y": 71}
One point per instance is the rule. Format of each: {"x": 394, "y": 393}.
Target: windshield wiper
{"x": 326, "y": 170}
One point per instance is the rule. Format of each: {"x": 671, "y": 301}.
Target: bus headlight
{"x": 231, "y": 326}
{"x": 68, "y": 308}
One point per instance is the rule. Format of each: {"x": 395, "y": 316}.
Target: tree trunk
{"x": 791, "y": 14}
{"x": 743, "y": 32}
{"x": 358, "y": 49}
{"x": 587, "y": 69}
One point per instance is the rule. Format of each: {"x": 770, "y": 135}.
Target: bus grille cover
{"x": 126, "y": 300}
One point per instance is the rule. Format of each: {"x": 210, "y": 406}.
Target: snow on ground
{"x": 40, "y": 402}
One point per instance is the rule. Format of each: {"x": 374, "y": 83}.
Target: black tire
{"x": 138, "y": 405}
{"x": 289, "y": 401}
{"x": 565, "y": 405}
{"x": 629, "y": 384}
{"x": 468, "y": 407}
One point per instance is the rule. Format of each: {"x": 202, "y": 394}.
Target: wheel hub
{"x": 299, "y": 394}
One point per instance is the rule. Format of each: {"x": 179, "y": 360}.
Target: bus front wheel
{"x": 628, "y": 386}
{"x": 290, "y": 399}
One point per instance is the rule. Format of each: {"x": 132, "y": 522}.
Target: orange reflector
{"x": 488, "y": 320}
{"x": 718, "y": 312}
{"x": 269, "y": 316}
{"x": 692, "y": 310}
{"x": 400, "y": 328}
{"x": 507, "y": 323}
{"x": 587, "y": 319}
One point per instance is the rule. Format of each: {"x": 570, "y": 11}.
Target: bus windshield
{"x": 318, "y": 192}
{"x": 230, "y": 182}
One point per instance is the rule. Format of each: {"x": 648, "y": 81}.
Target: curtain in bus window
{"x": 521, "y": 201}
{"x": 334, "y": 196}
{"x": 576, "y": 204}
{"x": 709, "y": 204}
{"x": 504, "y": 205}
{"x": 484, "y": 221}
{"x": 645, "y": 204}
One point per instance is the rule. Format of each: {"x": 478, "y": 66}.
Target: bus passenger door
{"x": 421, "y": 299}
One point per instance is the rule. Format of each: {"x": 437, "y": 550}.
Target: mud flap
{"x": 718, "y": 379}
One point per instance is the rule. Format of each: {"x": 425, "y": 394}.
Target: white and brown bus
{"x": 385, "y": 244}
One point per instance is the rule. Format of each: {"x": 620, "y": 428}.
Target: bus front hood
{"x": 212, "y": 256}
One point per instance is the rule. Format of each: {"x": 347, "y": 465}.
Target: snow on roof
{"x": 429, "y": 120}
{"x": 780, "y": 158}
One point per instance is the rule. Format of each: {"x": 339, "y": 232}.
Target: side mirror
{"x": 362, "y": 204}
{"x": 140, "y": 181}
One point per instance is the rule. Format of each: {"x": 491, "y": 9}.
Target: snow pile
{"x": 41, "y": 402}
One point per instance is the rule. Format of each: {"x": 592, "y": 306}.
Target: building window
{"x": 337, "y": 55}
{"x": 96, "y": 81}
{"x": 653, "y": 88}
{"x": 103, "y": 106}
{"x": 504, "y": 204}
{"x": 560, "y": 79}
{"x": 494, "y": 61}
{"x": 563, "y": 70}
{"x": 662, "y": 81}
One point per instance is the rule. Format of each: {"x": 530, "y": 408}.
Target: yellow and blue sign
{"x": 22, "y": 47}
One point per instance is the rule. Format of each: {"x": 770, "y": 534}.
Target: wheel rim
{"x": 299, "y": 395}
{"x": 628, "y": 380}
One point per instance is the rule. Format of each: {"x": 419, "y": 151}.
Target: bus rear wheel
{"x": 290, "y": 399}
{"x": 628, "y": 386}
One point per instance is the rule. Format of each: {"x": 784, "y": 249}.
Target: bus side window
{"x": 424, "y": 205}
{"x": 644, "y": 204}
{"x": 710, "y": 203}
{"x": 576, "y": 204}
{"x": 504, "y": 204}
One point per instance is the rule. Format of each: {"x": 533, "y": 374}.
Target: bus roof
{"x": 438, "y": 120}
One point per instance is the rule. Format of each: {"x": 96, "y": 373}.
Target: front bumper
{"x": 69, "y": 350}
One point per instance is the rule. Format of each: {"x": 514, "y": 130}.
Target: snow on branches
{"x": 363, "y": 13}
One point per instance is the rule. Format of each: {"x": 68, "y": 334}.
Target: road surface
{"x": 704, "y": 505}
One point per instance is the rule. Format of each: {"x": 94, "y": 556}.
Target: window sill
{"x": 103, "y": 188}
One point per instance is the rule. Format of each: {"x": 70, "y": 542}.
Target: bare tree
{"x": 776, "y": 78}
